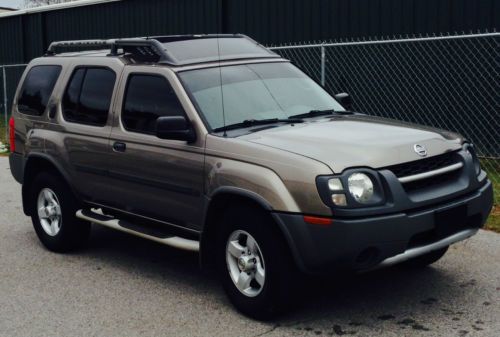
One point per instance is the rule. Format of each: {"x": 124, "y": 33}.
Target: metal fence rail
{"x": 449, "y": 82}
{"x": 9, "y": 78}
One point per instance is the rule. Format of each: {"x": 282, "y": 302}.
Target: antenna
{"x": 220, "y": 78}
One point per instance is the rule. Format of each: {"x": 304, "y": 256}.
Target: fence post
{"x": 4, "y": 77}
{"x": 323, "y": 65}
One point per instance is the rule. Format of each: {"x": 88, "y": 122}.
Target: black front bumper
{"x": 363, "y": 243}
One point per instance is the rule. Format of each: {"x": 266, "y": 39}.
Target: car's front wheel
{"x": 53, "y": 208}
{"x": 255, "y": 264}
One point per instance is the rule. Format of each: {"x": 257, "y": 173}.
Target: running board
{"x": 95, "y": 216}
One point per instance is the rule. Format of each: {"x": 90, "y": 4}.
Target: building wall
{"x": 26, "y": 36}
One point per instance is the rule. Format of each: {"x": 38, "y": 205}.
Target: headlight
{"x": 354, "y": 188}
{"x": 361, "y": 187}
{"x": 475, "y": 159}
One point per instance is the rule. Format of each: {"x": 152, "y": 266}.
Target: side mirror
{"x": 175, "y": 127}
{"x": 345, "y": 100}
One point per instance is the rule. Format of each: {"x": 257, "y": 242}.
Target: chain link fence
{"x": 449, "y": 82}
{"x": 9, "y": 78}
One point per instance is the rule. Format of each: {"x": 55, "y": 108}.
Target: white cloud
{"x": 11, "y": 3}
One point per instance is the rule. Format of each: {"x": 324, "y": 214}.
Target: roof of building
{"x": 53, "y": 7}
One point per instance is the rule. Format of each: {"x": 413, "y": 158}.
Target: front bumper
{"x": 369, "y": 242}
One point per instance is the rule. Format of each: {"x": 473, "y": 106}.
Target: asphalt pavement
{"x": 121, "y": 285}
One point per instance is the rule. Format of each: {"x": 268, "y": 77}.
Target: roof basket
{"x": 143, "y": 48}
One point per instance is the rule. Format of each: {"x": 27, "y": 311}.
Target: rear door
{"x": 85, "y": 119}
{"x": 155, "y": 178}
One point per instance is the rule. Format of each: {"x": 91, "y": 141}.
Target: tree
{"x": 37, "y": 3}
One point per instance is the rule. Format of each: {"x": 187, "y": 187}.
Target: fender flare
{"x": 27, "y": 181}
{"x": 207, "y": 238}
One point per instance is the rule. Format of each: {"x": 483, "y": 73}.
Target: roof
{"x": 54, "y": 7}
{"x": 176, "y": 50}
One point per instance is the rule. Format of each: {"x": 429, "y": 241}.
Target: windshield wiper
{"x": 315, "y": 113}
{"x": 252, "y": 122}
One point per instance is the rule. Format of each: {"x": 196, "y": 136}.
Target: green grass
{"x": 493, "y": 168}
{"x": 3, "y": 128}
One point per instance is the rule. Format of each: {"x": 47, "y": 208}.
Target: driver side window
{"x": 148, "y": 97}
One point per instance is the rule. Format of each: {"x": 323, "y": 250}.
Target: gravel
{"x": 125, "y": 286}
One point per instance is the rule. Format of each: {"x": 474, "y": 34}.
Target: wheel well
{"x": 215, "y": 210}
{"x": 33, "y": 167}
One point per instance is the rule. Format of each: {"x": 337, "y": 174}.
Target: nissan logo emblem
{"x": 420, "y": 150}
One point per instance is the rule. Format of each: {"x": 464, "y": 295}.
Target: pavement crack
{"x": 274, "y": 327}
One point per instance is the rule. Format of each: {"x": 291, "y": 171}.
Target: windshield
{"x": 254, "y": 92}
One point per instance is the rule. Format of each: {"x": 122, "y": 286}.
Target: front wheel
{"x": 255, "y": 264}
{"x": 53, "y": 208}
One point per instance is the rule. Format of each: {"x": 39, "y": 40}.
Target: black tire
{"x": 282, "y": 277}
{"x": 427, "y": 259}
{"x": 73, "y": 232}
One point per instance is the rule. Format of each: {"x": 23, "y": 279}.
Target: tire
{"x": 272, "y": 255}
{"x": 56, "y": 224}
{"x": 426, "y": 259}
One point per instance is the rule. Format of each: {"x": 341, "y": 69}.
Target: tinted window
{"x": 254, "y": 91}
{"x": 88, "y": 96}
{"x": 205, "y": 49}
{"x": 148, "y": 97}
{"x": 37, "y": 89}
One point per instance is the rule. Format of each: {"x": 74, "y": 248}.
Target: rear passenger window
{"x": 37, "y": 89}
{"x": 148, "y": 97}
{"x": 88, "y": 96}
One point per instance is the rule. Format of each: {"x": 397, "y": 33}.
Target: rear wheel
{"x": 426, "y": 259}
{"x": 254, "y": 263}
{"x": 53, "y": 208}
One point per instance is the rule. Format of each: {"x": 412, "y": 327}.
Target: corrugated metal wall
{"x": 27, "y": 36}
{"x": 278, "y": 21}
{"x": 268, "y": 21}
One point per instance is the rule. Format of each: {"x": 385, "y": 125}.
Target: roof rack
{"x": 155, "y": 49}
{"x": 143, "y": 47}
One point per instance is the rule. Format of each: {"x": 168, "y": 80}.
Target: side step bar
{"x": 121, "y": 225}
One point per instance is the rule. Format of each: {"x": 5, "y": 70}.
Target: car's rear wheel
{"x": 53, "y": 208}
{"x": 255, "y": 264}
{"x": 426, "y": 259}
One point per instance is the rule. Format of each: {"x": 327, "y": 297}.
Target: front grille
{"x": 433, "y": 181}
{"x": 424, "y": 165}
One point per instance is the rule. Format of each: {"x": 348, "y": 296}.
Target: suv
{"x": 213, "y": 143}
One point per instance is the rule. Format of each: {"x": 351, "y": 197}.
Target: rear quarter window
{"x": 37, "y": 89}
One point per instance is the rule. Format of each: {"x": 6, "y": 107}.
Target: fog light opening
{"x": 367, "y": 258}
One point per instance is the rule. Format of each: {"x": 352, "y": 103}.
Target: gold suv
{"x": 213, "y": 143}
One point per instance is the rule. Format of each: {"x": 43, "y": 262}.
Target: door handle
{"x": 119, "y": 146}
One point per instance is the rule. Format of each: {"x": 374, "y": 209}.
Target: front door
{"x": 155, "y": 178}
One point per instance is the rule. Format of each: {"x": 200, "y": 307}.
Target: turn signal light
{"x": 316, "y": 220}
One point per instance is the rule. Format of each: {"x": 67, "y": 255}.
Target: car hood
{"x": 357, "y": 141}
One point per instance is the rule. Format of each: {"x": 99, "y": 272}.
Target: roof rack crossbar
{"x": 77, "y": 43}
{"x": 143, "y": 46}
